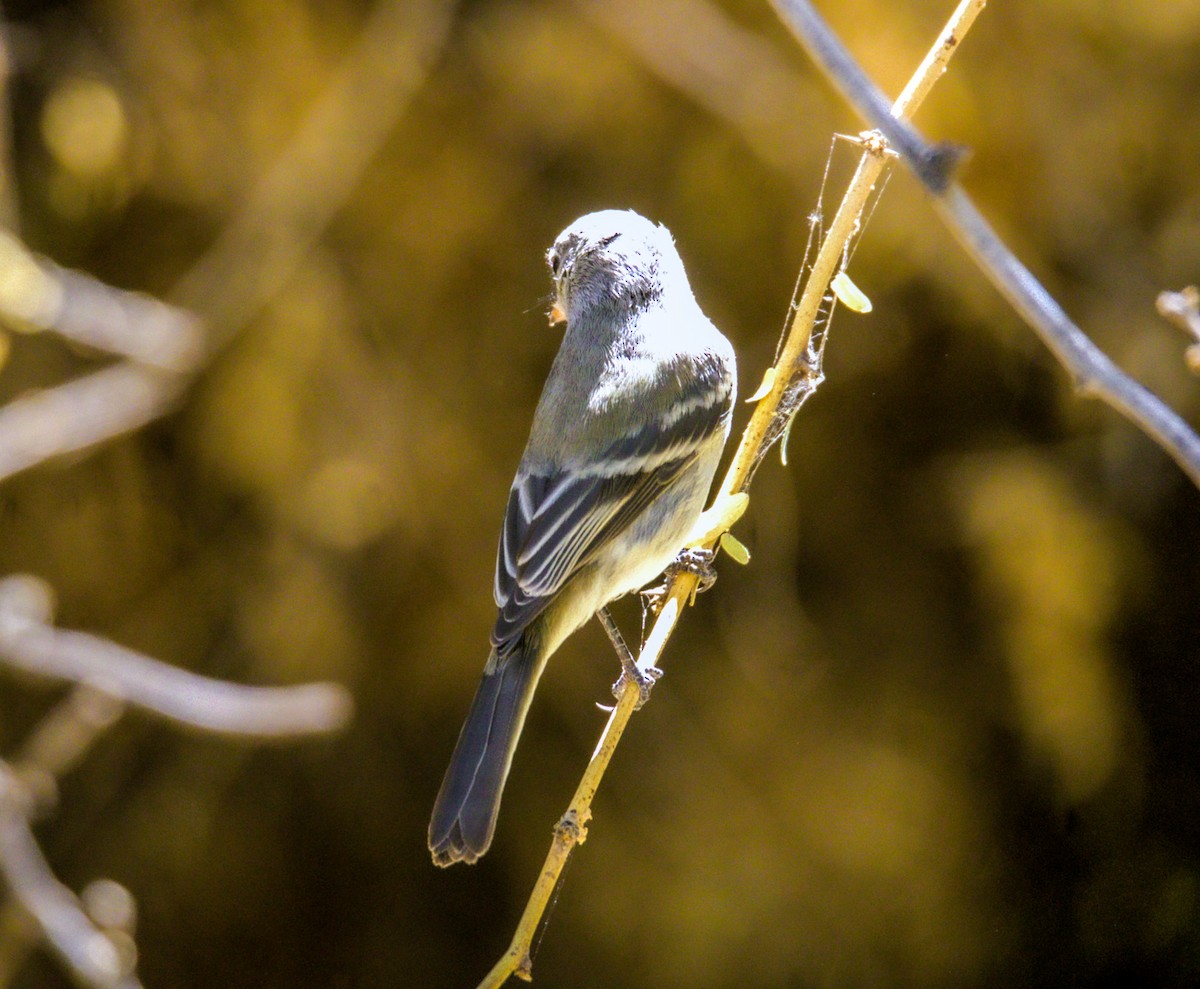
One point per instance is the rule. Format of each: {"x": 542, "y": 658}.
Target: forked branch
{"x": 1093, "y": 373}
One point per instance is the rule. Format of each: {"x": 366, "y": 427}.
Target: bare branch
{"x": 82, "y": 413}
{"x": 37, "y": 294}
{"x": 281, "y": 220}
{"x": 934, "y": 164}
{"x": 61, "y": 740}
{"x": 87, "y": 952}
{"x": 29, "y": 643}
{"x": 1093, "y": 373}
{"x": 58, "y": 742}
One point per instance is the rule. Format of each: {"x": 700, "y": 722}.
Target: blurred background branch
{"x": 37, "y": 906}
{"x": 36, "y": 294}
{"x": 82, "y": 413}
{"x": 287, "y": 210}
{"x": 108, "y": 676}
{"x": 164, "y": 346}
{"x": 29, "y": 643}
{"x": 277, "y": 226}
{"x": 88, "y": 952}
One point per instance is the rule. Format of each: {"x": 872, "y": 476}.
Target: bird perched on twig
{"x": 624, "y": 444}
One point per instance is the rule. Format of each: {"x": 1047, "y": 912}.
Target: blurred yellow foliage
{"x": 939, "y": 732}
{"x": 1054, "y": 567}
{"x": 84, "y": 126}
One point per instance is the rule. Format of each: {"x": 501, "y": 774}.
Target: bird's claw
{"x": 644, "y": 680}
{"x": 694, "y": 561}
{"x": 699, "y": 562}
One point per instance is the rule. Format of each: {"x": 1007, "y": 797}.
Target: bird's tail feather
{"x": 464, "y": 814}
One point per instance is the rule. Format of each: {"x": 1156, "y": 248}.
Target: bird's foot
{"x": 691, "y": 560}
{"x": 630, "y": 671}
{"x": 699, "y": 562}
{"x": 644, "y": 680}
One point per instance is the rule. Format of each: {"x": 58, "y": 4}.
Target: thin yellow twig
{"x": 790, "y": 366}
{"x": 764, "y": 428}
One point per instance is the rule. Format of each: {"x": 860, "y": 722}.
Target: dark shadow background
{"x": 941, "y": 732}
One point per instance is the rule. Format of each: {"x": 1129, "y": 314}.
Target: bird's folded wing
{"x": 556, "y": 522}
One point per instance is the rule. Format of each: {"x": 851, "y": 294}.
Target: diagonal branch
{"x": 286, "y": 212}
{"x": 1093, "y": 373}
{"x": 37, "y": 294}
{"x": 81, "y": 413}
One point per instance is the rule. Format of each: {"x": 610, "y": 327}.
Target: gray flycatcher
{"x": 625, "y": 441}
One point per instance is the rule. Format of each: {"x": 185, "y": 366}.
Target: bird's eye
{"x": 555, "y": 263}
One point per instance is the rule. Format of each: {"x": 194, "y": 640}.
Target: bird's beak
{"x": 556, "y": 314}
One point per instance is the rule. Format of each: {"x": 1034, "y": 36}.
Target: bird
{"x": 624, "y": 443}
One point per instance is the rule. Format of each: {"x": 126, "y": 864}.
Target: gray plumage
{"x": 624, "y": 444}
